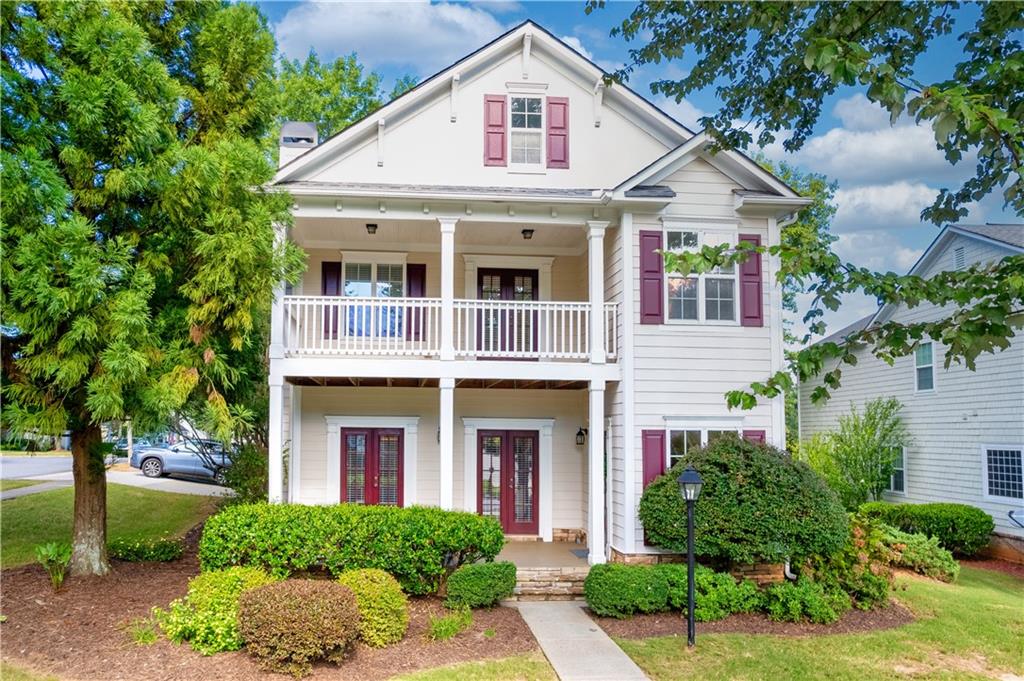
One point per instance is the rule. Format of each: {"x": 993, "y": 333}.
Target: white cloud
{"x": 420, "y": 36}
{"x": 859, "y": 113}
{"x": 878, "y": 250}
{"x": 575, "y": 43}
{"x": 882, "y": 206}
{"x": 683, "y": 111}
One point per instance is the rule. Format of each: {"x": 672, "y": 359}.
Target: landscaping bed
{"x": 80, "y": 631}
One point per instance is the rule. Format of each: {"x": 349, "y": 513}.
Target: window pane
{"x": 923, "y": 354}
{"x": 533, "y": 105}
{"x": 1005, "y": 473}
{"x": 896, "y": 484}
{"x": 682, "y": 442}
{"x": 533, "y": 121}
{"x": 533, "y": 155}
{"x": 682, "y": 297}
{"x": 715, "y": 435}
{"x": 674, "y": 241}
{"x": 925, "y": 380}
{"x": 388, "y": 455}
{"x": 719, "y": 299}
{"x": 518, "y": 120}
{"x": 518, "y": 104}
{"x": 355, "y": 468}
{"x": 357, "y": 279}
{"x": 389, "y": 281}
{"x": 490, "y": 476}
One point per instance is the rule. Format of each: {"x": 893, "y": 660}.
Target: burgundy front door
{"x": 502, "y": 330}
{"x": 509, "y": 478}
{"x": 371, "y": 466}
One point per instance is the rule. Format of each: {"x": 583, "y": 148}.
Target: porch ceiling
{"x": 383, "y": 382}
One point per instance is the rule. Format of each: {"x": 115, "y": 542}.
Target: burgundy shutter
{"x": 558, "y": 132}
{"x": 654, "y": 454}
{"x": 758, "y": 436}
{"x": 330, "y": 285}
{"x": 416, "y": 280}
{"x": 652, "y": 279}
{"x": 751, "y": 300}
{"x": 494, "y": 130}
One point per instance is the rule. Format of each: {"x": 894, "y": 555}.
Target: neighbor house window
{"x": 924, "y": 367}
{"x": 700, "y": 297}
{"x": 684, "y": 440}
{"x": 526, "y": 134}
{"x": 1004, "y": 472}
{"x": 897, "y": 480}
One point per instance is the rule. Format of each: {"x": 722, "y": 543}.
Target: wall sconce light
{"x": 581, "y": 436}
{"x": 371, "y": 227}
{"x": 527, "y": 233}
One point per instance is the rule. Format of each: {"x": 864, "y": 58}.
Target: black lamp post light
{"x": 690, "y": 484}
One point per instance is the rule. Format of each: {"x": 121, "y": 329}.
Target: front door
{"x": 509, "y": 477}
{"x": 504, "y": 330}
{"x": 371, "y": 466}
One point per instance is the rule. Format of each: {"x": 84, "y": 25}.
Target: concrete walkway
{"x": 576, "y": 647}
{"x": 33, "y": 489}
{"x": 134, "y": 479}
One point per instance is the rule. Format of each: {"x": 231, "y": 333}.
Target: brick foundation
{"x": 1005, "y": 547}
{"x": 645, "y": 558}
{"x": 761, "y": 573}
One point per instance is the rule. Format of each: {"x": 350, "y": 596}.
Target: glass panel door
{"x": 490, "y": 475}
{"x": 509, "y": 469}
{"x": 353, "y": 469}
{"x": 371, "y": 466}
{"x": 508, "y": 331}
{"x": 389, "y": 452}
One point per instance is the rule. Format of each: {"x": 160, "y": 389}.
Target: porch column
{"x": 277, "y": 306}
{"x": 447, "y": 442}
{"x": 595, "y": 474}
{"x": 447, "y": 288}
{"x": 595, "y": 271}
{"x": 275, "y": 443}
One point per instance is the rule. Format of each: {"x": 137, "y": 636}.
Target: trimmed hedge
{"x": 480, "y": 585}
{"x": 289, "y": 625}
{"x": 418, "y": 545}
{"x": 383, "y": 608}
{"x": 758, "y": 505}
{"x": 804, "y": 600}
{"x": 618, "y": 590}
{"x": 208, "y": 615}
{"x": 961, "y": 529}
{"x": 921, "y": 554}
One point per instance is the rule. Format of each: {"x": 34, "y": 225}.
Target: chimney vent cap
{"x": 298, "y": 134}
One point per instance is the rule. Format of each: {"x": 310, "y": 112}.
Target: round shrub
{"x": 418, "y": 545}
{"x": 804, "y": 600}
{"x": 921, "y": 554}
{"x": 207, "y": 617}
{"x": 289, "y": 625}
{"x": 757, "y": 505}
{"x": 717, "y": 594}
{"x": 383, "y": 608}
{"x": 617, "y": 590}
{"x": 960, "y": 528}
{"x": 480, "y": 585}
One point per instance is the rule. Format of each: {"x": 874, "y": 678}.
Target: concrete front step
{"x": 549, "y": 584}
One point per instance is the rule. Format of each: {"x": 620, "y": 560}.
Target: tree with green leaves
{"x": 773, "y": 65}
{"x": 136, "y": 251}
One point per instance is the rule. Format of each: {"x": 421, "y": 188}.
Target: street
{"x": 31, "y": 466}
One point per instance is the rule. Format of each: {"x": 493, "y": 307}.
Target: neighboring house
{"x": 485, "y": 323}
{"x": 967, "y": 426}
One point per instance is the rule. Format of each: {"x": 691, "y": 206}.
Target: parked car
{"x": 121, "y": 446}
{"x": 183, "y": 459}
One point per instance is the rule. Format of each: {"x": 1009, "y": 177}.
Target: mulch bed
{"x": 79, "y": 632}
{"x": 667, "y": 624}
{"x": 1005, "y": 566}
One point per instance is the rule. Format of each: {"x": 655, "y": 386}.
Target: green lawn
{"x": 19, "y": 452}
{"x": 532, "y": 667}
{"x": 132, "y": 512}
{"x": 9, "y": 672}
{"x": 15, "y": 484}
{"x": 973, "y": 629}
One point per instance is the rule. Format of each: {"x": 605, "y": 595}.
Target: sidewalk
{"x": 32, "y": 489}
{"x": 576, "y": 647}
{"x": 134, "y": 479}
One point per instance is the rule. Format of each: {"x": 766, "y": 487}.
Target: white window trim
{"x": 701, "y": 423}
{"x": 373, "y": 259}
{"x": 701, "y": 229}
{"x": 544, "y": 428}
{"x": 984, "y": 474}
{"x": 410, "y": 428}
{"x": 925, "y": 391}
{"x": 903, "y": 492}
{"x": 528, "y": 168}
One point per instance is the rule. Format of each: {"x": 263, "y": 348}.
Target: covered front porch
{"x": 548, "y": 570}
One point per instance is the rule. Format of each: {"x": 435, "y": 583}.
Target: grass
{"x": 532, "y": 667}
{"x": 15, "y": 484}
{"x": 969, "y": 630}
{"x": 447, "y": 627}
{"x": 142, "y": 631}
{"x": 9, "y": 672}
{"x": 18, "y": 452}
{"x": 132, "y": 513}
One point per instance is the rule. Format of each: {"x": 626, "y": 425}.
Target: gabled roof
{"x": 672, "y": 131}
{"x": 1005, "y": 234}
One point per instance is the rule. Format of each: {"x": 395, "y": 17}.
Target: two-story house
{"x": 966, "y": 427}
{"x": 486, "y": 324}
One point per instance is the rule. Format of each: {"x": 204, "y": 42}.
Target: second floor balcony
{"x": 344, "y": 326}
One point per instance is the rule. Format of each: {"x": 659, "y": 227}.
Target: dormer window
{"x": 526, "y": 141}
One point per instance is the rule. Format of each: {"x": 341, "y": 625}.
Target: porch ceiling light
{"x": 371, "y": 227}
{"x": 527, "y": 233}
{"x": 581, "y": 436}
{"x": 690, "y": 484}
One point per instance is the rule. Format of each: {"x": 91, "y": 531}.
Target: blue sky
{"x": 886, "y": 174}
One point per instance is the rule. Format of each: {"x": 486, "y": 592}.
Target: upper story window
{"x": 924, "y": 367}
{"x": 708, "y": 297}
{"x": 374, "y": 280}
{"x": 526, "y": 138}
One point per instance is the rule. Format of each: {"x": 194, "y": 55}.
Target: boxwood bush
{"x": 383, "y": 608}
{"x": 289, "y": 625}
{"x": 207, "y": 617}
{"x": 960, "y": 528}
{"x": 921, "y": 554}
{"x": 617, "y": 590}
{"x": 757, "y": 505}
{"x": 418, "y": 545}
{"x": 804, "y": 600}
{"x": 480, "y": 585}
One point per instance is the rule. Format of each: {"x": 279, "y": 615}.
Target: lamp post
{"x": 690, "y": 483}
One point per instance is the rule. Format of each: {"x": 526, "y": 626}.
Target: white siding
{"x": 614, "y": 394}
{"x": 950, "y": 424}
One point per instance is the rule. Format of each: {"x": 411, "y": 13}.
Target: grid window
{"x": 924, "y": 367}
{"x": 389, "y": 281}
{"x": 684, "y": 440}
{"x": 358, "y": 279}
{"x": 1005, "y": 472}
{"x": 372, "y": 280}
{"x": 710, "y": 296}
{"x": 682, "y": 297}
{"x": 526, "y": 137}
{"x": 897, "y": 480}
{"x": 719, "y": 299}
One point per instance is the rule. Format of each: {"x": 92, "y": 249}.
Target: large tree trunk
{"x": 89, "y": 538}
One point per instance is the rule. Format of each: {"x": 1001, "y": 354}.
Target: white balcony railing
{"x": 330, "y": 325}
